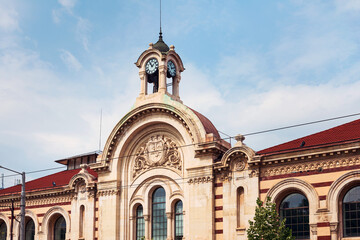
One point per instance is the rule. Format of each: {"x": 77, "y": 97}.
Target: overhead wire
{"x": 216, "y": 140}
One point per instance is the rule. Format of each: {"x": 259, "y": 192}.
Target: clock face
{"x": 151, "y": 66}
{"x": 171, "y": 68}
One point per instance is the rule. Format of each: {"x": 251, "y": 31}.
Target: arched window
{"x": 3, "y": 230}
{"x": 240, "y": 207}
{"x": 351, "y": 213}
{"x": 30, "y": 230}
{"x": 81, "y": 221}
{"x": 60, "y": 229}
{"x": 159, "y": 221}
{"x": 179, "y": 220}
{"x": 295, "y": 208}
{"x": 140, "y": 223}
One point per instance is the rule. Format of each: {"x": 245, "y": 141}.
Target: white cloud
{"x": 68, "y": 4}
{"x": 70, "y": 60}
{"x": 83, "y": 28}
{"x": 347, "y": 5}
{"x": 56, "y": 14}
{"x": 197, "y": 90}
{"x": 8, "y": 17}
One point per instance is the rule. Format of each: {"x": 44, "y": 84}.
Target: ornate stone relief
{"x": 239, "y": 165}
{"x": 158, "y": 150}
{"x": 308, "y": 166}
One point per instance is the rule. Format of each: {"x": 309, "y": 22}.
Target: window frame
{"x": 342, "y": 195}
{"x": 283, "y": 197}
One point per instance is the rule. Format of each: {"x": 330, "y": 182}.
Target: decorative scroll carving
{"x": 159, "y": 150}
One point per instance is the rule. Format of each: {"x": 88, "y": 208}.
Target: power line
{"x": 302, "y": 124}
{"x": 217, "y": 140}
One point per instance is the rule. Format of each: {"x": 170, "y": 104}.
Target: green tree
{"x": 267, "y": 225}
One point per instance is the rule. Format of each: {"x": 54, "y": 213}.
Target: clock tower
{"x": 160, "y": 70}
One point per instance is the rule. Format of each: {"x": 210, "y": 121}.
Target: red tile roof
{"x": 61, "y": 179}
{"x": 348, "y": 132}
{"x": 209, "y": 127}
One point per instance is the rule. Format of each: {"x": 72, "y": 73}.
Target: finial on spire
{"x": 160, "y": 34}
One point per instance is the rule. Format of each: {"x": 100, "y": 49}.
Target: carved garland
{"x": 158, "y": 150}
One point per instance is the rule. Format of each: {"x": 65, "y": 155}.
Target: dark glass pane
{"x": 3, "y": 230}
{"x": 30, "y": 230}
{"x": 294, "y": 200}
{"x": 351, "y": 213}
{"x": 159, "y": 220}
{"x": 295, "y": 208}
{"x": 353, "y": 195}
{"x": 60, "y": 229}
{"x": 178, "y": 220}
{"x": 140, "y": 223}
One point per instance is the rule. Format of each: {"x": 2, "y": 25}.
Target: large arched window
{"x": 60, "y": 228}
{"x": 140, "y": 223}
{"x": 351, "y": 213}
{"x": 295, "y": 208}
{"x": 3, "y": 230}
{"x": 179, "y": 220}
{"x": 159, "y": 221}
{"x": 30, "y": 230}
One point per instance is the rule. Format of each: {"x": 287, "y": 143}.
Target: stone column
{"x": 143, "y": 88}
{"x": 147, "y": 227}
{"x": 169, "y": 225}
{"x": 162, "y": 79}
{"x": 132, "y": 226}
{"x": 175, "y": 86}
{"x": 334, "y": 230}
{"x": 313, "y": 231}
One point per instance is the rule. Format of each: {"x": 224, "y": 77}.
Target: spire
{"x": 160, "y": 44}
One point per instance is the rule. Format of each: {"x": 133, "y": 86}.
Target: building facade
{"x": 165, "y": 173}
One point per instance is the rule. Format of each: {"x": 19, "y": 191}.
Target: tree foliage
{"x": 267, "y": 225}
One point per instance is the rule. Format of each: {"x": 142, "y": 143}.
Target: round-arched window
{"x": 30, "y": 230}
{"x": 295, "y": 208}
{"x": 140, "y": 223}
{"x": 351, "y": 213}
{"x": 178, "y": 220}
{"x": 60, "y": 228}
{"x": 3, "y": 230}
{"x": 159, "y": 220}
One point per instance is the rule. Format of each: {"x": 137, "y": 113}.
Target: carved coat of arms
{"x": 158, "y": 150}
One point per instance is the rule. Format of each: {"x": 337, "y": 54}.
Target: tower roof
{"x": 161, "y": 45}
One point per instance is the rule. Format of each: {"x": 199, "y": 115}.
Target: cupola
{"x": 160, "y": 70}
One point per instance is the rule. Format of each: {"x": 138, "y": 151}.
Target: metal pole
{"x": 22, "y": 208}
{"x": 22, "y": 203}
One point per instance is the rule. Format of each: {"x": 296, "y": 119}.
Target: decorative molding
{"x": 310, "y": 165}
{"x": 109, "y": 192}
{"x": 313, "y": 229}
{"x": 201, "y": 179}
{"x": 136, "y": 115}
{"x": 334, "y": 227}
{"x": 158, "y": 150}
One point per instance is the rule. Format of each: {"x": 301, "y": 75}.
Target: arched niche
{"x": 49, "y": 219}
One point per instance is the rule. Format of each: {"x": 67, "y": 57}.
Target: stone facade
{"x": 163, "y": 144}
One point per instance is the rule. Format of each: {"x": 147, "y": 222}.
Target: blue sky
{"x": 250, "y": 66}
